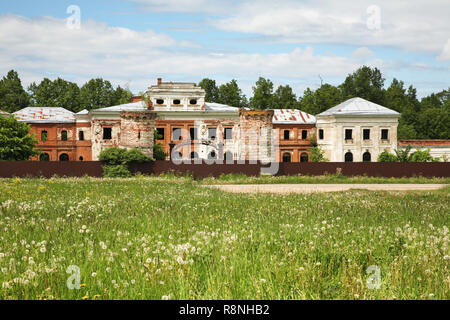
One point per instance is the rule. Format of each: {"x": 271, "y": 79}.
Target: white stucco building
{"x": 357, "y": 130}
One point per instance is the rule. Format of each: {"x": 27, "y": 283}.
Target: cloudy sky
{"x": 133, "y": 42}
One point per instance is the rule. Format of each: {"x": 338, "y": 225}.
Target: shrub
{"x": 117, "y": 161}
{"x": 136, "y": 156}
{"x": 113, "y": 156}
{"x": 116, "y": 171}
{"x": 158, "y": 152}
{"x": 317, "y": 154}
{"x": 386, "y": 156}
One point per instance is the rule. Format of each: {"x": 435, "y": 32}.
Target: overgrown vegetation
{"x": 167, "y": 238}
{"x": 405, "y": 155}
{"x": 16, "y": 142}
{"x": 118, "y": 160}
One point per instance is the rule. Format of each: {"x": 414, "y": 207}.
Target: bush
{"x": 119, "y": 156}
{"x": 113, "y": 156}
{"x": 136, "y": 156}
{"x": 116, "y": 171}
{"x": 117, "y": 161}
{"x": 158, "y": 152}
{"x": 317, "y": 154}
{"x": 385, "y": 156}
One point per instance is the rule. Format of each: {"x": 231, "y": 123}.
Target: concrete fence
{"x": 94, "y": 169}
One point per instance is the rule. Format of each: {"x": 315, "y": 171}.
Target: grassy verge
{"x": 165, "y": 237}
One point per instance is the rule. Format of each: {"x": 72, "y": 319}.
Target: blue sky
{"x": 131, "y": 43}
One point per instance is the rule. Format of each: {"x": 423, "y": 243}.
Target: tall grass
{"x": 168, "y": 238}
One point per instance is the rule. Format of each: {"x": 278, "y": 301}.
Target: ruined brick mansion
{"x": 191, "y": 128}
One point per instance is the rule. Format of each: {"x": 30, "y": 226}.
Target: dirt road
{"x": 311, "y": 188}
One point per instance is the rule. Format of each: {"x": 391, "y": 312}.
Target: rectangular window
{"x": 384, "y": 134}
{"x": 107, "y": 133}
{"x": 44, "y": 136}
{"x": 193, "y": 133}
{"x": 348, "y": 134}
{"x": 228, "y": 133}
{"x": 321, "y": 135}
{"x": 81, "y": 135}
{"x": 176, "y": 134}
{"x": 286, "y": 134}
{"x": 160, "y": 133}
{"x": 304, "y": 134}
{"x": 212, "y": 133}
{"x": 366, "y": 134}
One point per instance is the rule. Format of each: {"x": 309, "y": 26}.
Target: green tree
{"x": 284, "y": 98}
{"x": 230, "y": 94}
{"x": 211, "y": 89}
{"x": 366, "y": 83}
{"x": 58, "y": 93}
{"x": 324, "y": 98}
{"x": 16, "y": 142}
{"x": 262, "y": 94}
{"x": 122, "y": 96}
{"x": 12, "y": 95}
{"x": 317, "y": 154}
{"x": 97, "y": 93}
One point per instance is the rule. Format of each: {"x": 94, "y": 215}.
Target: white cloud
{"x": 45, "y": 47}
{"x": 409, "y": 25}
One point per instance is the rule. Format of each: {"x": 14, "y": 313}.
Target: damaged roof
{"x": 359, "y": 107}
{"x": 134, "y": 106}
{"x": 4, "y": 113}
{"x": 292, "y": 116}
{"x": 45, "y": 115}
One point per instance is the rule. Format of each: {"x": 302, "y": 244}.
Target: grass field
{"x": 169, "y": 238}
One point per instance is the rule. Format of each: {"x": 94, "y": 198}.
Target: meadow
{"x": 170, "y": 238}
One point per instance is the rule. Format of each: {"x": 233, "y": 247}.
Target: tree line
{"x": 427, "y": 118}
{"x": 94, "y": 94}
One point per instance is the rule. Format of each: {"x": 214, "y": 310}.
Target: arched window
{"x": 44, "y": 157}
{"x": 286, "y": 134}
{"x": 194, "y": 155}
{"x": 228, "y": 157}
{"x": 64, "y": 135}
{"x": 44, "y": 135}
{"x": 176, "y": 102}
{"x": 286, "y": 157}
{"x": 212, "y": 155}
{"x": 193, "y": 101}
{"x": 81, "y": 158}
{"x": 160, "y": 101}
{"x": 304, "y": 157}
{"x": 64, "y": 157}
{"x": 349, "y": 157}
{"x": 367, "y": 157}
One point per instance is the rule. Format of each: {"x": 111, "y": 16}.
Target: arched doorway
{"x": 367, "y": 157}
{"x": 349, "y": 157}
{"x": 286, "y": 157}
{"x": 64, "y": 157}
{"x": 304, "y": 157}
{"x": 44, "y": 157}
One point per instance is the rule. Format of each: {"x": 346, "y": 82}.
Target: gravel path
{"x": 311, "y": 188}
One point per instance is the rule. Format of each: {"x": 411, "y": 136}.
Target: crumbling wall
{"x": 137, "y": 130}
{"x": 256, "y": 141}
{"x": 98, "y": 143}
